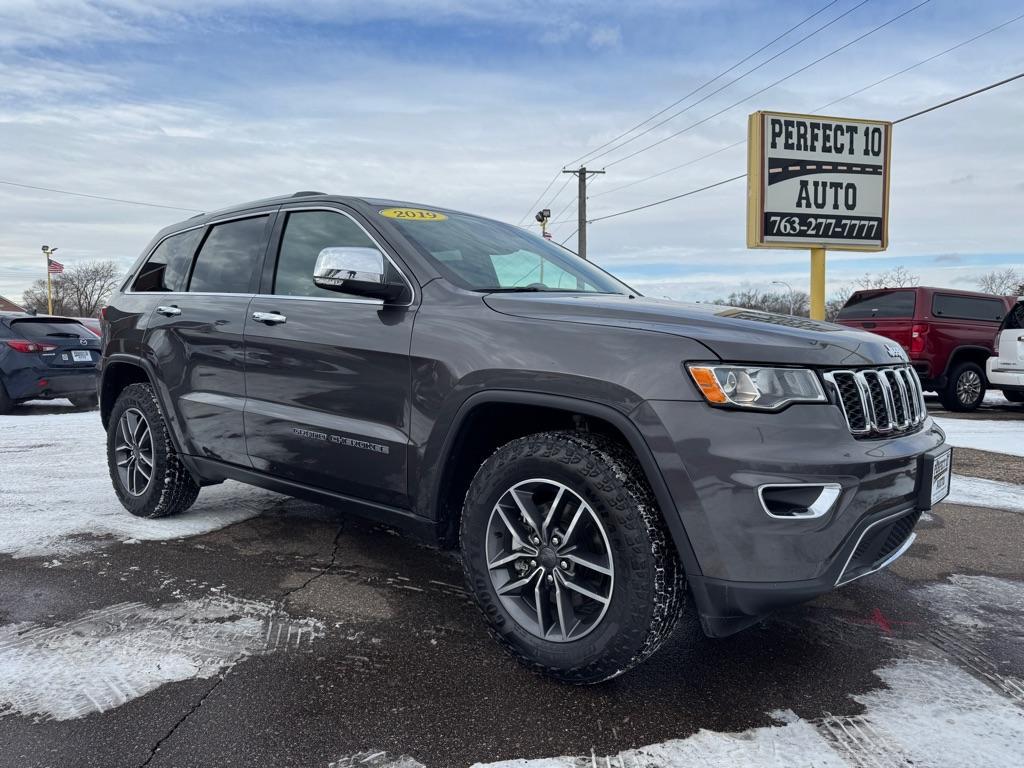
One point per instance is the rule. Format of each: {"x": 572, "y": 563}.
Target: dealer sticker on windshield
{"x": 412, "y": 214}
{"x": 940, "y": 477}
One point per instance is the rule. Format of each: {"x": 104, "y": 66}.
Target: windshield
{"x": 485, "y": 255}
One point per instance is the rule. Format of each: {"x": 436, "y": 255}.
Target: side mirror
{"x": 356, "y": 270}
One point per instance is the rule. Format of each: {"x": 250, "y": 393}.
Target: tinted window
{"x": 230, "y": 256}
{"x": 871, "y": 304}
{"x": 41, "y": 329}
{"x": 167, "y": 267}
{"x": 967, "y": 307}
{"x": 1014, "y": 319}
{"x": 306, "y": 233}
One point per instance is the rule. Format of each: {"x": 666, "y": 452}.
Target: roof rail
{"x": 307, "y": 193}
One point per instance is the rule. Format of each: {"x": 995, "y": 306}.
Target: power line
{"x": 925, "y": 111}
{"x": 772, "y": 85}
{"x": 959, "y": 98}
{"x": 98, "y": 197}
{"x": 707, "y": 96}
{"x": 540, "y": 197}
{"x": 885, "y": 79}
{"x": 669, "y": 199}
{"x": 703, "y": 85}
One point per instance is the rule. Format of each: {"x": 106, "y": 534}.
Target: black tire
{"x": 6, "y": 404}
{"x": 85, "y": 401}
{"x": 170, "y": 488}
{"x": 649, "y": 587}
{"x": 965, "y": 389}
{"x": 1013, "y": 397}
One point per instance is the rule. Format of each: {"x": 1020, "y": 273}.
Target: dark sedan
{"x": 44, "y": 358}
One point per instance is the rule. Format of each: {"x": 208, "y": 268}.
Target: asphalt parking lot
{"x": 261, "y": 630}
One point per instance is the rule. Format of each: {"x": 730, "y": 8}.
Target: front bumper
{"x": 747, "y": 562}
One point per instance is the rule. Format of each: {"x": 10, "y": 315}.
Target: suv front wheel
{"x": 965, "y": 389}
{"x": 148, "y": 476}
{"x": 565, "y": 550}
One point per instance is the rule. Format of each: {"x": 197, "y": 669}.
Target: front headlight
{"x": 753, "y": 386}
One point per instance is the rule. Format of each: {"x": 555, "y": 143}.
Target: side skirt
{"x": 213, "y": 471}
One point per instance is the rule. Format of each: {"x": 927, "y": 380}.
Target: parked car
{"x": 44, "y": 357}
{"x": 1006, "y": 368}
{"x": 598, "y": 457}
{"x": 948, "y": 334}
{"x": 92, "y": 323}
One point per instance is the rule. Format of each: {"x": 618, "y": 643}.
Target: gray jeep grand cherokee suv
{"x": 597, "y": 456}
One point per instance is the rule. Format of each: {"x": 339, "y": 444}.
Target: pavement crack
{"x": 322, "y": 572}
{"x": 182, "y": 719}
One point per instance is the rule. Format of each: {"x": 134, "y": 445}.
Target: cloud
{"x": 477, "y": 105}
{"x": 605, "y": 37}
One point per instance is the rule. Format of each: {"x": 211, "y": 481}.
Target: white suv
{"x": 1006, "y": 367}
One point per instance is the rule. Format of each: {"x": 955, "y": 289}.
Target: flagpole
{"x": 49, "y": 289}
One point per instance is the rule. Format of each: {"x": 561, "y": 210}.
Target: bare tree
{"x": 768, "y": 301}
{"x": 897, "y": 277}
{"x": 836, "y": 301}
{"x": 80, "y": 291}
{"x": 1002, "y": 282}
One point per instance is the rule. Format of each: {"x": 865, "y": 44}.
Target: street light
{"x": 783, "y": 282}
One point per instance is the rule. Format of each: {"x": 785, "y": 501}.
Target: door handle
{"x": 270, "y": 318}
{"x": 170, "y": 311}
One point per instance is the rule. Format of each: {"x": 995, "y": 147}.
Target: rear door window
{"x": 871, "y": 305}
{"x": 167, "y": 267}
{"x": 947, "y": 305}
{"x": 230, "y": 256}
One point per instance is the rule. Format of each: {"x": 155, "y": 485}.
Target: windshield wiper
{"x": 513, "y": 289}
{"x": 65, "y": 335}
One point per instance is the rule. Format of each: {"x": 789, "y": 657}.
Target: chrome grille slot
{"x": 879, "y": 401}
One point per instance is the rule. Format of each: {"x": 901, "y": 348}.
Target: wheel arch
{"x": 461, "y": 456}
{"x": 968, "y": 354}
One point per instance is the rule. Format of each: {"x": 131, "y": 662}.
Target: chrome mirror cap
{"x": 356, "y": 270}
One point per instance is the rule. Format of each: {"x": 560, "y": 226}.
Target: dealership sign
{"x": 818, "y": 182}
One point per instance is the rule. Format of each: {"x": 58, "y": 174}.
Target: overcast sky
{"x": 477, "y": 104}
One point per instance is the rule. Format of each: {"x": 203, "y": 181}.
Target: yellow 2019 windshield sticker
{"x": 412, "y": 214}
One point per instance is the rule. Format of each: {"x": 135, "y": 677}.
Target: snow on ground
{"x": 112, "y": 655}
{"x": 985, "y": 435}
{"x": 929, "y": 713}
{"x": 56, "y": 497}
{"x": 978, "y": 492}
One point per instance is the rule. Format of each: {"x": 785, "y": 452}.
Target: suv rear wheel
{"x": 565, "y": 550}
{"x": 6, "y": 404}
{"x": 965, "y": 389}
{"x": 148, "y": 476}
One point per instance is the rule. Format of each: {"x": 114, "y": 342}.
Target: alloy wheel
{"x": 968, "y": 387}
{"x": 549, "y": 560}
{"x": 133, "y": 451}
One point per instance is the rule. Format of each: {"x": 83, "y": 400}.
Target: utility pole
{"x": 581, "y": 174}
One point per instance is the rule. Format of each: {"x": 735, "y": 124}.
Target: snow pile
{"x": 984, "y": 435}
{"x": 978, "y": 492}
{"x": 56, "y": 495}
{"x": 110, "y": 656}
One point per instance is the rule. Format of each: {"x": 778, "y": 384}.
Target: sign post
{"x": 819, "y": 183}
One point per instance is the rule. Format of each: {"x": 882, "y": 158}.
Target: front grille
{"x": 879, "y": 401}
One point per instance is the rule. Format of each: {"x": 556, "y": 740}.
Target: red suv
{"x": 948, "y": 334}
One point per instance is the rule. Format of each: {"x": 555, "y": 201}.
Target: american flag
{"x": 54, "y": 267}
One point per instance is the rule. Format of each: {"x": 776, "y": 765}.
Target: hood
{"x": 731, "y": 333}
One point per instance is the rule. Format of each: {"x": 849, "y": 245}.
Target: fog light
{"x": 789, "y": 501}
